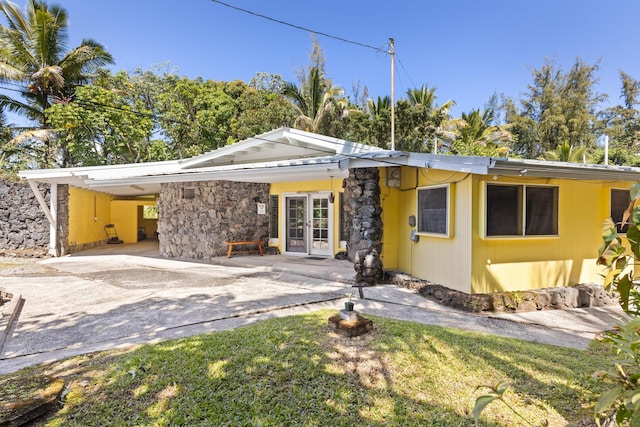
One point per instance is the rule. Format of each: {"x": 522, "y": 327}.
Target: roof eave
{"x": 562, "y": 170}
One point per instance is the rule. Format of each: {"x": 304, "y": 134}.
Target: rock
{"x": 24, "y": 399}
{"x": 582, "y": 295}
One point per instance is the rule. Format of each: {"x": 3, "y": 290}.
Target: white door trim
{"x": 309, "y": 240}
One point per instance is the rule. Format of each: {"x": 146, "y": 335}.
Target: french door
{"x": 308, "y": 224}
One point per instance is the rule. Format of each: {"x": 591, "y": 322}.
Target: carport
{"x": 239, "y": 182}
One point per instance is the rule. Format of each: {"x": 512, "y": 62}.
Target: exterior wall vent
{"x": 189, "y": 193}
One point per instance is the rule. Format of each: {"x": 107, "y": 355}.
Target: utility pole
{"x": 392, "y": 52}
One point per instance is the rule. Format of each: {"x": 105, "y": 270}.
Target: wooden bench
{"x": 244, "y": 251}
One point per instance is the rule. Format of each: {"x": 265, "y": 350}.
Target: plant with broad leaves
{"x": 622, "y": 401}
{"x": 496, "y": 393}
{"x": 621, "y": 252}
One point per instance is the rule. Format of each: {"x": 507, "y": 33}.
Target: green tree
{"x": 566, "y": 153}
{"x": 33, "y": 56}
{"x": 196, "y": 116}
{"x": 421, "y": 122}
{"x": 102, "y": 125}
{"x": 558, "y": 106}
{"x": 316, "y": 101}
{"x": 622, "y": 123}
{"x": 319, "y": 104}
{"x": 478, "y": 136}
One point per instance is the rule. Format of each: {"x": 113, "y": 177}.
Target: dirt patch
{"x": 25, "y": 267}
{"x": 356, "y": 356}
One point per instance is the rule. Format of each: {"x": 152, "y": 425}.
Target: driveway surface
{"x": 114, "y": 297}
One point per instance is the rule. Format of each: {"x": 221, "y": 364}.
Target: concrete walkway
{"x": 118, "y": 296}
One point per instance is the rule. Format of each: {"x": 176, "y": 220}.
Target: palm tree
{"x": 427, "y": 122}
{"x": 477, "y": 135}
{"x": 33, "y": 55}
{"x": 378, "y": 107}
{"x": 314, "y": 100}
{"x": 565, "y": 152}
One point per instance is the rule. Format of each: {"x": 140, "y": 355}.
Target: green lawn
{"x": 294, "y": 371}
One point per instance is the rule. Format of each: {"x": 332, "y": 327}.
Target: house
{"x": 473, "y": 224}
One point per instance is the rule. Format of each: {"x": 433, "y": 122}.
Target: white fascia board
{"x": 334, "y": 145}
{"x": 130, "y": 169}
{"x": 466, "y": 164}
{"x": 290, "y": 172}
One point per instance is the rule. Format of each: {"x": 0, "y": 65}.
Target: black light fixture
{"x": 332, "y": 198}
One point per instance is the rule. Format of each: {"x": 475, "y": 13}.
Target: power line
{"x": 298, "y": 27}
{"x": 406, "y": 72}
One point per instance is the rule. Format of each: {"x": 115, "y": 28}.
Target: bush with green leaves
{"x": 620, "y": 253}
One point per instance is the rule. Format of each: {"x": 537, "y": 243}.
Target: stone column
{"x": 63, "y": 219}
{"x": 362, "y": 204}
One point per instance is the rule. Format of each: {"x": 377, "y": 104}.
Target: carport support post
{"x": 51, "y": 212}
{"x": 53, "y": 225}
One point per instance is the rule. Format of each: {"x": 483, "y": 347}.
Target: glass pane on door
{"x": 320, "y": 224}
{"x": 296, "y": 224}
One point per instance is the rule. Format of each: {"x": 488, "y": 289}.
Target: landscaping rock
{"x": 350, "y": 328}
{"x": 578, "y": 296}
{"x": 26, "y": 398}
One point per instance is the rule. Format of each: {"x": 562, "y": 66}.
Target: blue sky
{"x": 467, "y": 49}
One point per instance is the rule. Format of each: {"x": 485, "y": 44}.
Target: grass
{"x": 294, "y": 371}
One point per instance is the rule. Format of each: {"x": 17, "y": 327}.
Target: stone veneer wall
{"x": 63, "y": 220}
{"x": 220, "y": 211}
{"x": 24, "y": 228}
{"x": 362, "y": 206}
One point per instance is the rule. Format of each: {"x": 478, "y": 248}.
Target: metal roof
{"x": 289, "y": 155}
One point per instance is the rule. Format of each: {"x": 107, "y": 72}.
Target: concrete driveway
{"x": 117, "y": 296}
{"x": 94, "y": 300}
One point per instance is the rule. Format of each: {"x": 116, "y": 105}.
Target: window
{"x": 521, "y": 210}
{"x": 150, "y": 212}
{"x": 273, "y": 215}
{"x": 189, "y": 193}
{"x": 433, "y": 210}
{"x": 620, "y": 200}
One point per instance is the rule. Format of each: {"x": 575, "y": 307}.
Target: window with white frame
{"x": 521, "y": 210}
{"x": 620, "y": 200}
{"x": 433, "y": 210}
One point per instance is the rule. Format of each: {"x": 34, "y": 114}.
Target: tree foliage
{"x": 102, "y": 125}
{"x": 478, "y": 136}
{"x": 558, "y": 106}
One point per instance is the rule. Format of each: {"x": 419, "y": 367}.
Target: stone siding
{"x": 362, "y": 207}
{"x": 578, "y": 296}
{"x": 220, "y": 211}
{"x": 24, "y": 228}
{"x": 23, "y": 225}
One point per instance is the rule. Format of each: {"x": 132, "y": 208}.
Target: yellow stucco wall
{"x": 467, "y": 261}
{"x": 89, "y": 211}
{"x": 316, "y": 186}
{"x": 124, "y": 215}
{"x": 392, "y": 229}
{"x": 518, "y": 263}
{"x": 440, "y": 259}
